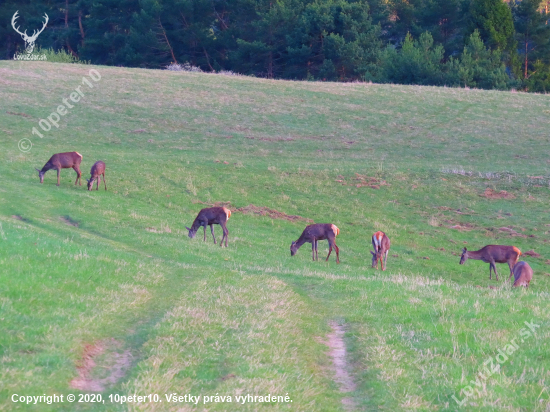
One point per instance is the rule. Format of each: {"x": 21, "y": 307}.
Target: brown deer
{"x": 312, "y": 234}
{"x": 62, "y": 161}
{"x": 522, "y": 274}
{"x": 381, "y": 245}
{"x": 493, "y": 254}
{"x": 98, "y": 169}
{"x": 211, "y": 216}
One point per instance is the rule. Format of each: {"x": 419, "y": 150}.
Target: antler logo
{"x": 29, "y": 40}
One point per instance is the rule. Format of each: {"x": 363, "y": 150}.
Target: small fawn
{"x": 522, "y": 274}
{"x": 381, "y": 245}
{"x": 98, "y": 169}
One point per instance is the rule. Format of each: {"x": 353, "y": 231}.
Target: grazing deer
{"x": 62, "y": 161}
{"x": 98, "y": 169}
{"x": 522, "y": 274}
{"x": 493, "y": 254}
{"x": 381, "y": 245}
{"x": 211, "y": 216}
{"x": 312, "y": 234}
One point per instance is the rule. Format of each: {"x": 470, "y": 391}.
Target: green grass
{"x": 115, "y": 270}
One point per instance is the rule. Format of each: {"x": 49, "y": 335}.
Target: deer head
{"x": 41, "y": 175}
{"x": 375, "y": 257}
{"x": 29, "y": 40}
{"x": 293, "y": 248}
{"x": 464, "y": 256}
{"x": 90, "y": 183}
{"x": 191, "y": 232}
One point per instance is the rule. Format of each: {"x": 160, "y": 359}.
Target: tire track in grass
{"x": 234, "y": 334}
{"x": 338, "y": 354}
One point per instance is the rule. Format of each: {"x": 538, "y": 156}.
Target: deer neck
{"x": 47, "y": 166}
{"x": 476, "y": 255}
{"x": 300, "y": 242}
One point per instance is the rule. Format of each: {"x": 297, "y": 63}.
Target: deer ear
{"x": 38, "y": 170}
{"x": 374, "y": 254}
{"x": 187, "y": 228}
{"x": 464, "y": 250}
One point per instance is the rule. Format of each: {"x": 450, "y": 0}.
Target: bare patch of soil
{"x": 362, "y": 181}
{"x": 338, "y": 354}
{"x": 463, "y": 226}
{"x": 216, "y": 204}
{"x": 493, "y": 194}
{"x": 68, "y": 221}
{"x": 101, "y": 356}
{"x": 511, "y": 231}
{"x": 532, "y": 253}
{"x": 258, "y": 210}
{"x": 272, "y": 213}
{"x": 19, "y": 114}
{"x": 271, "y": 139}
{"x": 18, "y": 217}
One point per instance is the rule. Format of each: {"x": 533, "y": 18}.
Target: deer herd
{"x": 491, "y": 254}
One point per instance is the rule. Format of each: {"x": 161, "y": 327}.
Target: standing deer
{"x": 62, "y": 161}
{"x": 98, "y": 169}
{"x": 211, "y": 216}
{"x": 522, "y": 274}
{"x": 29, "y": 40}
{"x": 493, "y": 254}
{"x": 381, "y": 245}
{"x": 312, "y": 234}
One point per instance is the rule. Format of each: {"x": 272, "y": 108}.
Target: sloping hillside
{"x": 103, "y": 292}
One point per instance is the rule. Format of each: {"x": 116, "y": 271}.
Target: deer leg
{"x": 104, "y": 181}
{"x": 316, "y": 249}
{"x": 58, "y": 173}
{"x": 212, "y": 231}
{"x": 493, "y": 266}
{"x": 337, "y": 253}
{"x": 313, "y": 249}
{"x": 329, "y": 250}
{"x": 98, "y": 180}
{"x": 204, "y": 240}
{"x": 386, "y": 260}
{"x": 78, "y": 175}
{"x": 511, "y": 268}
{"x": 225, "y": 233}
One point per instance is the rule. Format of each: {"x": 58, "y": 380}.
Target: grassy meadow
{"x": 103, "y": 292}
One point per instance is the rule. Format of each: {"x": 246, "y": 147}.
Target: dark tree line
{"x": 475, "y": 43}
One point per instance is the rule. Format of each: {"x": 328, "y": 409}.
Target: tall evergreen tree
{"x": 493, "y": 20}
{"x": 532, "y": 34}
{"x": 416, "y": 62}
{"x": 444, "y": 20}
{"x": 480, "y": 66}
